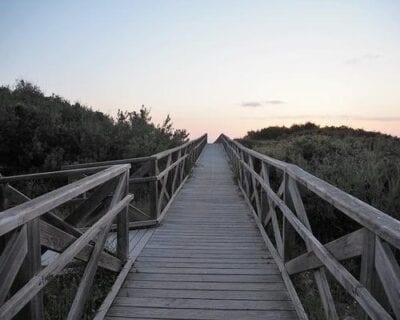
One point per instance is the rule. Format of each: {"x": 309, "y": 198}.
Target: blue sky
{"x": 215, "y": 66}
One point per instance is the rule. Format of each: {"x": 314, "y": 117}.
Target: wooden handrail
{"x": 30, "y": 226}
{"x": 372, "y": 218}
{"x": 108, "y": 163}
{"x": 371, "y": 242}
{"x": 16, "y": 216}
{"x": 50, "y": 174}
{"x": 26, "y": 229}
{"x": 152, "y": 170}
{"x": 165, "y": 153}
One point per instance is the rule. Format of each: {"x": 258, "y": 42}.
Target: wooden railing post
{"x": 154, "y": 171}
{"x": 2, "y": 197}
{"x": 288, "y": 231}
{"x": 123, "y": 228}
{"x": 368, "y": 274}
{"x": 30, "y": 268}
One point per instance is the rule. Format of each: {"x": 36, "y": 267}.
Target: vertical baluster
{"x": 30, "y": 268}
{"x": 154, "y": 171}
{"x": 294, "y": 202}
{"x": 123, "y": 228}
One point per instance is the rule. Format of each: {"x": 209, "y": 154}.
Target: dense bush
{"x": 39, "y": 132}
{"x": 364, "y": 164}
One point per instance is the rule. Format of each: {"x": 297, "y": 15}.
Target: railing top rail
{"x": 156, "y": 156}
{"x": 275, "y": 162}
{"x": 368, "y": 216}
{"x": 108, "y": 163}
{"x": 50, "y": 174}
{"x": 165, "y": 153}
{"x": 21, "y": 214}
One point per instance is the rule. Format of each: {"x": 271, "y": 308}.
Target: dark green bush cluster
{"x": 39, "y": 132}
{"x": 364, "y": 164}
{"x": 275, "y": 132}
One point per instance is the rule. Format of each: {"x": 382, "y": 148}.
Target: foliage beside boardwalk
{"x": 364, "y": 164}
{"x": 40, "y": 133}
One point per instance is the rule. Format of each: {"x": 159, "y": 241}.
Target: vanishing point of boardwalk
{"x": 207, "y": 260}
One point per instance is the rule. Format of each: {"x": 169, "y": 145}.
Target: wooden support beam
{"x": 12, "y": 306}
{"x": 346, "y": 247}
{"x": 11, "y": 260}
{"x": 319, "y": 274}
{"x": 388, "y": 271}
{"x": 58, "y": 240}
{"x": 154, "y": 191}
{"x": 19, "y": 215}
{"x": 123, "y": 228}
{"x": 85, "y": 285}
{"x": 344, "y": 277}
{"x": 18, "y": 197}
{"x": 81, "y": 215}
{"x": 101, "y": 313}
{"x": 30, "y": 268}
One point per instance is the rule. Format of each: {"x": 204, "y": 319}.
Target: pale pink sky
{"x": 214, "y": 66}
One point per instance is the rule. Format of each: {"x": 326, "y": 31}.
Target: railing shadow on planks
{"x": 281, "y": 214}
{"x": 75, "y": 219}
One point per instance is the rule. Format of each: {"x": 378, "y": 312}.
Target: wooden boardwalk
{"x": 208, "y": 255}
{"x": 207, "y": 260}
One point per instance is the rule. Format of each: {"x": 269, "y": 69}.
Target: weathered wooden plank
{"x": 203, "y": 265}
{"x": 266, "y": 278}
{"x": 206, "y": 285}
{"x": 214, "y": 304}
{"x": 166, "y": 313}
{"x": 263, "y": 295}
{"x": 270, "y": 269}
{"x": 209, "y": 260}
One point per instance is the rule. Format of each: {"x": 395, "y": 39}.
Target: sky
{"x": 213, "y": 66}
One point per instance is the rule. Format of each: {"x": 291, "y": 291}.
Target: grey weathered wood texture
{"x": 372, "y": 242}
{"x": 207, "y": 260}
{"x": 211, "y": 255}
{"x": 30, "y": 227}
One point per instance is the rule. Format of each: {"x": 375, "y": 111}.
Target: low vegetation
{"x": 41, "y": 133}
{"x": 364, "y": 164}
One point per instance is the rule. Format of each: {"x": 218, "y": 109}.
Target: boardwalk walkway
{"x": 207, "y": 260}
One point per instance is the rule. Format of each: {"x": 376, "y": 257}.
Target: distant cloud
{"x": 274, "y": 102}
{"x": 363, "y": 58}
{"x": 253, "y": 104}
